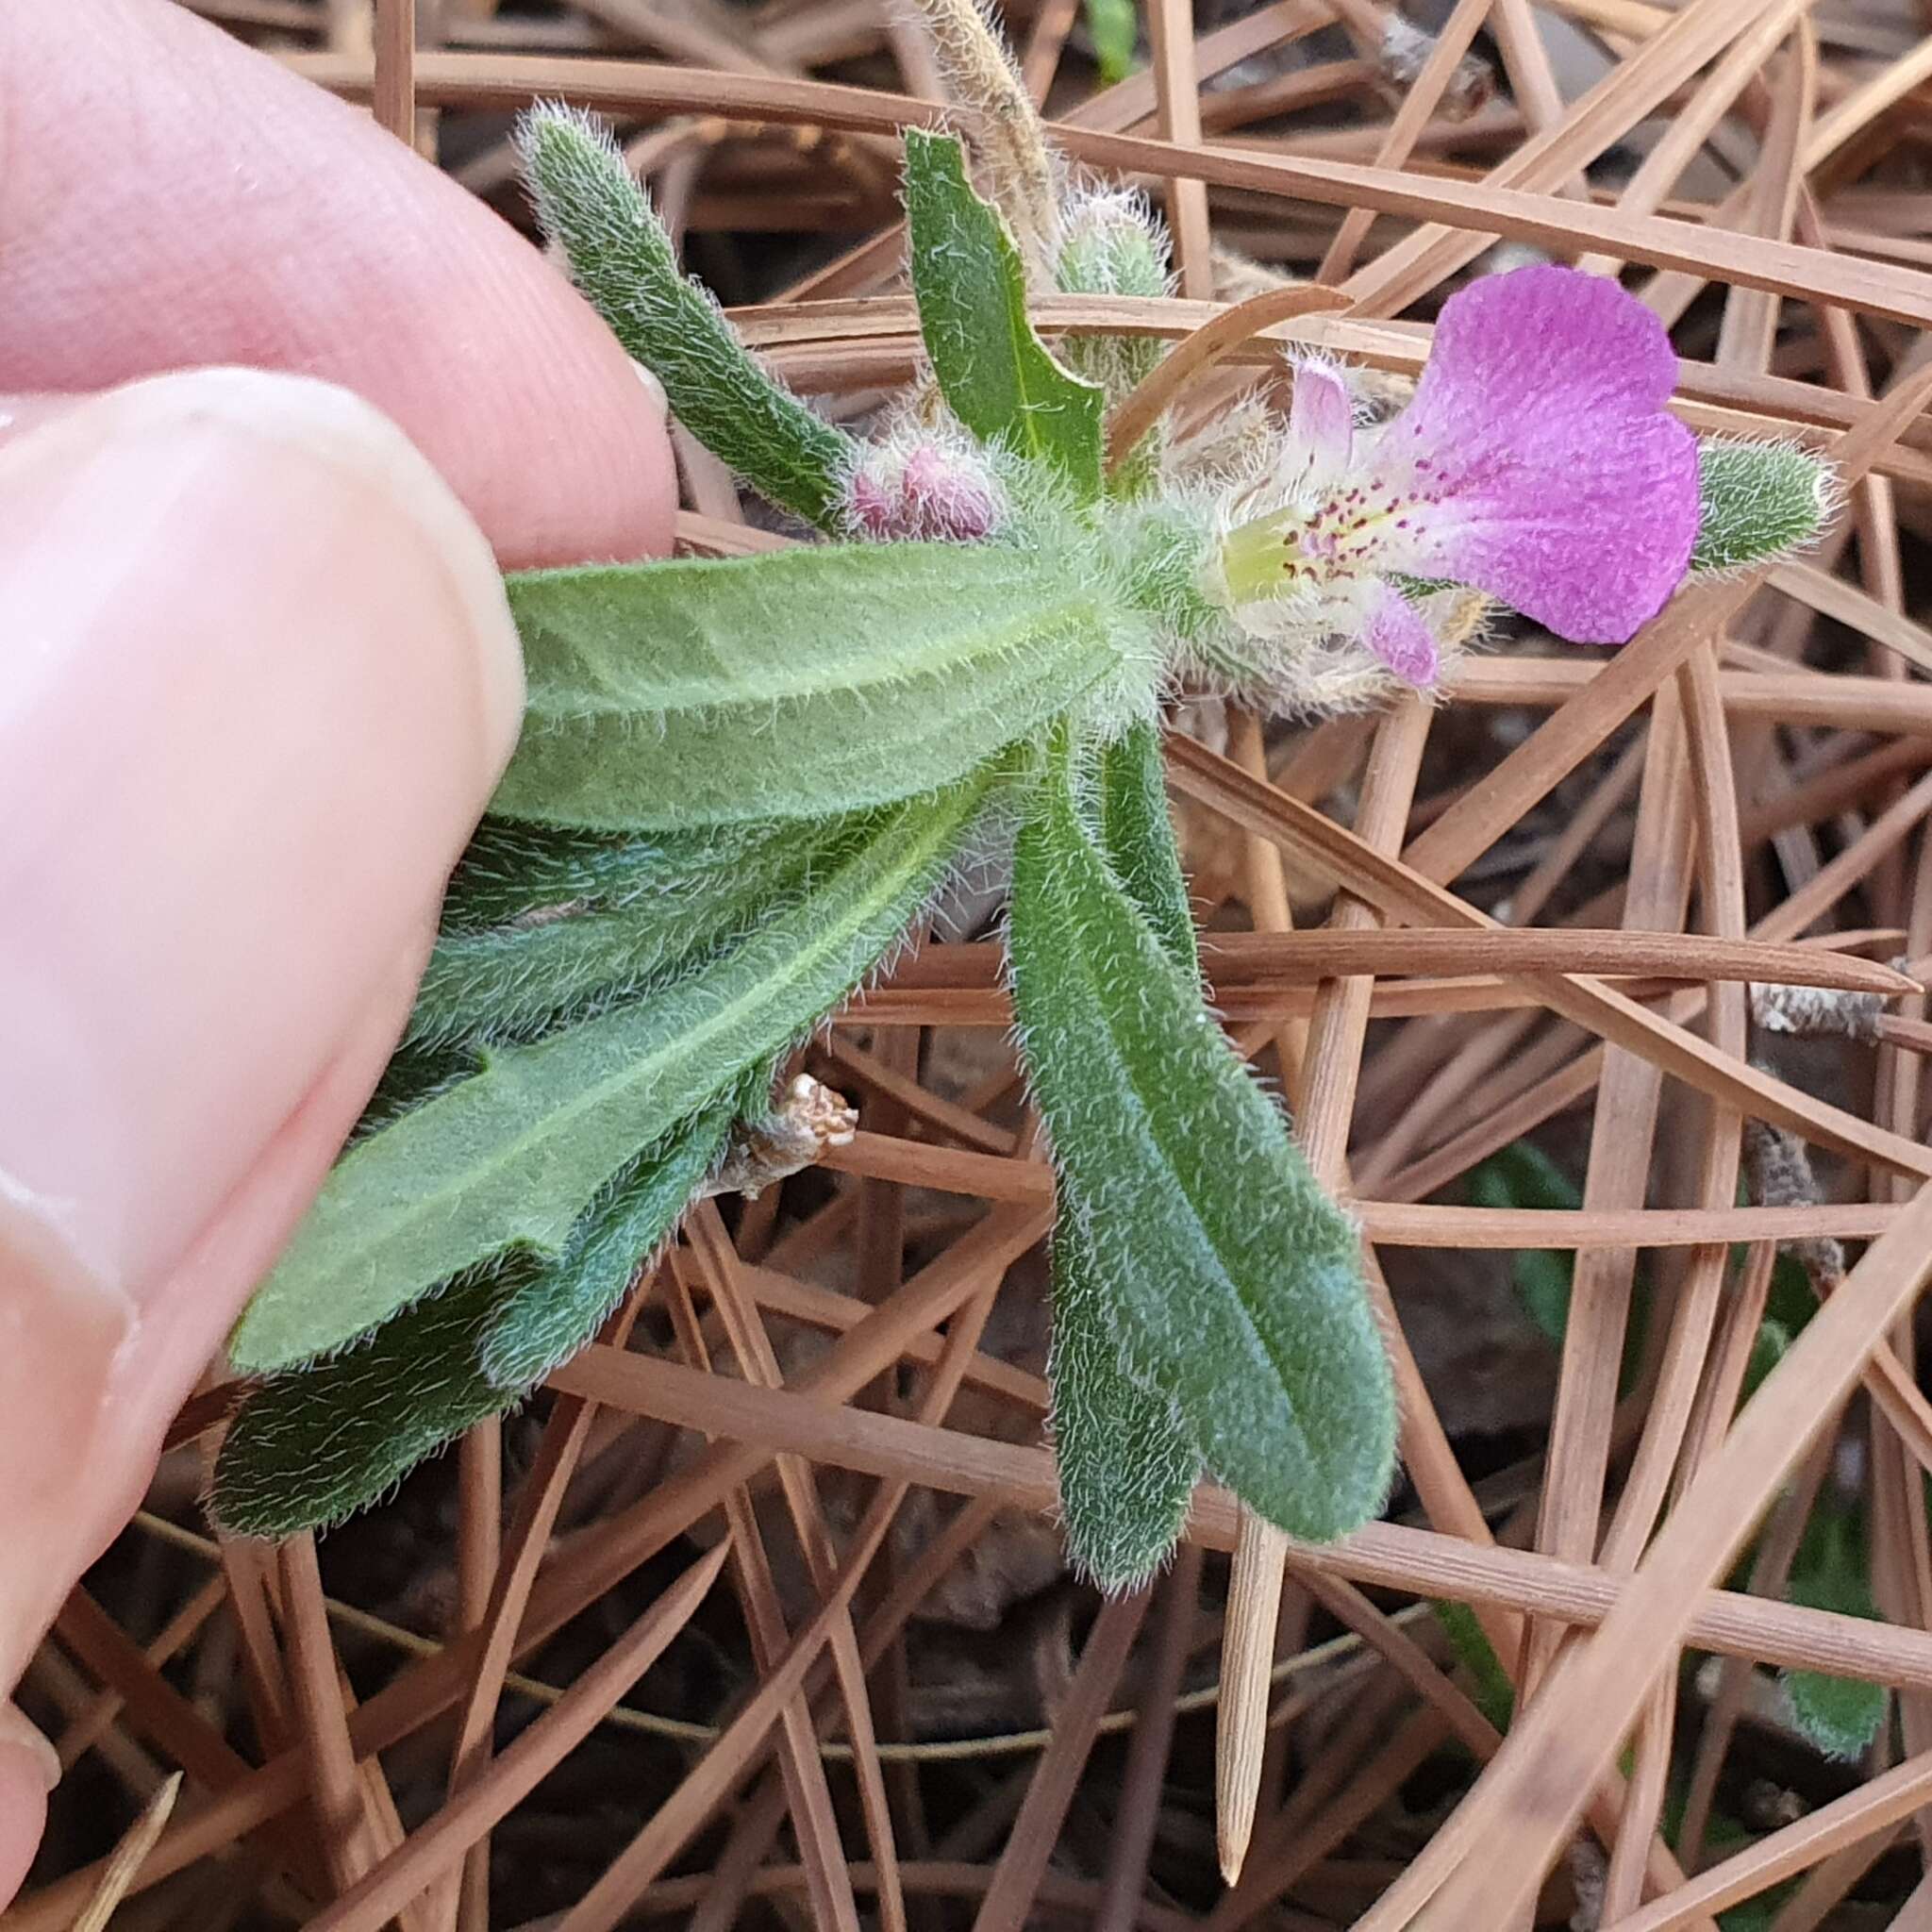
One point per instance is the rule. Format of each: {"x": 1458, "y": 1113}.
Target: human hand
{"x": 257, "y": 680}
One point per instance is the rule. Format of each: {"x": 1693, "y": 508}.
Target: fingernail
{"x": 261, "y": 677}
{"x": 653, "y": 387}
{"x": 16, "y": 1734}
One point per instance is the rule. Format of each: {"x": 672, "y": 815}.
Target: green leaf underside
{"x": 1126, "y": 1464}
{"x": 792, "y": 685}
{"x": 1758, "y": 500}
{"x": 622, "y": 260}
{"x": 509, "y": 1158}
{"x": 1128, "y": 815}
{"x": 995, "y": 374}
{"x": 509, "y": 870}
{"x": 306, "y": 1449}
{"x": 514, "y": 981}
{"x": 313, "y": 1445}
{"x": 1236, "y": 1281}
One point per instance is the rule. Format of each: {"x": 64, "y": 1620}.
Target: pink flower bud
{"x": 948, "y": 497}
{"x": 922, "y": 486}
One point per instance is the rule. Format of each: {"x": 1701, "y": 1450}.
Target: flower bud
{"x": 1111, "y": 244}
{"x": 923, "y": 485}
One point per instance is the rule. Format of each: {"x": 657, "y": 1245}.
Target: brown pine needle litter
{"x": 1597, "y": 990}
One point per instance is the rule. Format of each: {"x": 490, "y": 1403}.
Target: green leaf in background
{"x": 799, "y": 683}
{"x": 1126, "y": 1465}
{"x": 1768, "y": 1348}
{"x": 1494, "y": 1694}
{"x": 1115, "y": 25}
{"x": 1523, "y": 1175}
{"x": 1839, "y": 1716}
{"x": 1236, "y": 1281}
{"x": 994, "y": 372}
{"x": 510, "y": 1157}
{"x": 1759, "y": 499}
{"x": 622, "y": 260}
{"x": 566, "y": 961}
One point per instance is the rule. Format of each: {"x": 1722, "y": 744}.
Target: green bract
{"x": 1759, "y": 499}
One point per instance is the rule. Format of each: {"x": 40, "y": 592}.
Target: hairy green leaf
{"x": 313, "y": 1445}
{"x": 622, "y": 258}
{"x": 1236, "y": 1281}
{"x": 1759, "y": 499}
{"x": 1126, "y": 809}
{"x": 1126, "y": 1465}
{"x": 310, "y": 1447}
{"x": 512, "y": 870}
{"x": 548, "y": 1316}
{"x": 570, "y": 958}
{"x": 510, "y": 1157}
{"x": 994, "y": 370}
{"x": 798, "y": 683}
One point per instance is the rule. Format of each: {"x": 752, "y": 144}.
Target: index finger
{"x": 170, "y": 197}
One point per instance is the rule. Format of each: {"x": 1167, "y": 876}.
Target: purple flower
{"x": 1536, "y": 463}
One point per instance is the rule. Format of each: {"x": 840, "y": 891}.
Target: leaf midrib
{"x": 859, "y": 673}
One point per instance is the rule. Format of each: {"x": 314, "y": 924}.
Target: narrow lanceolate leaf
{"x": 1126, "y": 1465}
{"x": 570, "y": 958}
{"x": 1126, "y": 1461}
{"x": 1127, "y": 811}
{"x": 994, "y": 370}
{"x": 509, "y": 1158}
{"x": 313, "y": 1445}
{"x": 622, "y": 258}
{"x": 310, "y": 1447}
{"x": 796, "y": 684}
{"x": 552, "y": 1313}
{"x": 1236, "y": 1281}
{"x": 1759, "y": 499}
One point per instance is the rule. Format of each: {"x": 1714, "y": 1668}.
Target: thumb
{"x": 256, "y": 679}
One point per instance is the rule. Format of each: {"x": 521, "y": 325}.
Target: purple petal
{"x": 1538, "y": 458}
{"x": 1321, "y": 420}
{"x": 1394, "y": 629}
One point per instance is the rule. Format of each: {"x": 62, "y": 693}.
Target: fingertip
{"x": 23, "y": 1816}
{"x": 279, "y": 227}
